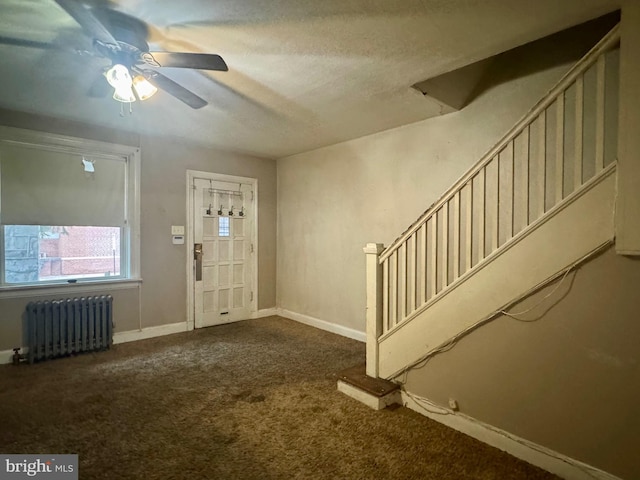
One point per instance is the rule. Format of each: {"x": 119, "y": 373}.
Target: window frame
{"x": 130, "y": 233}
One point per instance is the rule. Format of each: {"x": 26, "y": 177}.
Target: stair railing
{"x": 565, "y": 141}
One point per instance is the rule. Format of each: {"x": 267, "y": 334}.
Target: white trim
{"x": 220, "y": 177}
{"x": 25, "y": 137}
{"x": 265, "y": 312}
{"x": 191, "y": 175}
{"x": 480, "y": 301}
{"x": 29, "y": 291}
{"x": 324, "y": 325}
{"x": 134, "y": 179}
{"x": 190, "y": 316}
{"x": 628, "y": 252}
{"x": 545, "y": 458}
{"x": 509, "y": 244}
{"x": 149, "y": 332}
{"x": 75, "y": 145}
{"x": 6, "y": 356}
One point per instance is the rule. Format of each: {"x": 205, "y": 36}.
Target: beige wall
{"x": 163, "y": 203}
{"x": 334, "y": 200}
{"x": 569, "y": 380}
{"x": 164, "y": 164}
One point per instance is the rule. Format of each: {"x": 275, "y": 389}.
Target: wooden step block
{"x": 376, "y": 393}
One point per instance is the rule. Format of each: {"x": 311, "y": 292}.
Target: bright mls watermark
{"x": 51, "y": 467}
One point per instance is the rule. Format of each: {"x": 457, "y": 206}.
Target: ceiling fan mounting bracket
{"x": 124, "y": 53}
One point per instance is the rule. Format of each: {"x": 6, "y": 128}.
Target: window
{"x": 68, "y": 209}
{"x": 223, "y": 226}
{"x": 48, "y": 253}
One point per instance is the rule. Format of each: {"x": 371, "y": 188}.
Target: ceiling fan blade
{"x": 88, "y": 21}
{"x": 199, "y": 61}
{"x": 174, "y": 89}
{"x": 55, "y": 45}
{"x": 19, "y": 42}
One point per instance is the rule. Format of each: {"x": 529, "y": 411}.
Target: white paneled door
{"x": 223, "y": 225}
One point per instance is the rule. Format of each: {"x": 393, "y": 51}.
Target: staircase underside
{"x": 570, "y": 231}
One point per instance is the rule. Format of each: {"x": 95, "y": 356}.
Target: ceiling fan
{"x": 122, "y": 39}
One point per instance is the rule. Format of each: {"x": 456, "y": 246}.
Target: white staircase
{"x": 538, "y": 202}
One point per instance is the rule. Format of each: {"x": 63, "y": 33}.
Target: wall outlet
{"x": 453, "y": 404}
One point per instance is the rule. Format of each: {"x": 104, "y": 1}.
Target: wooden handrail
{"x": 604, "y": 45}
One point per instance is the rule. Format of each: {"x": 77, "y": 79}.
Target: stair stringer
{"x": 571, "y": 230}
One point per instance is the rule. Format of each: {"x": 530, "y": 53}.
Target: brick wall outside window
{"x": 80, "y": 251}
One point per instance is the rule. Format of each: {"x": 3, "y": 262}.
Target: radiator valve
{"x": 17, "y": 356}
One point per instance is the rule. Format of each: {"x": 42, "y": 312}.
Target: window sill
{"x": 86, "y": 286}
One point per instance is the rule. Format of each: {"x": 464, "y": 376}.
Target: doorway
{"x": 222, "y": 245}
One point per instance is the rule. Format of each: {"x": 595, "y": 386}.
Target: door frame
{"x": 189, "y": 237}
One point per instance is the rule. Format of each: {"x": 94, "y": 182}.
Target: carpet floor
{"x": 251, "y": 400}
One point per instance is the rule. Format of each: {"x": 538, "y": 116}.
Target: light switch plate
{"x": 177, "y": 229}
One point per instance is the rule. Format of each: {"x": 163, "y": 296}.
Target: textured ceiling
{"x": 302, "y": 73}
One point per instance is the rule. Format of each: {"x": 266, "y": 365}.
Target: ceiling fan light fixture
{"x": 144, "y": 89}
{"x": 118, "y": 76}
{"x": 124, "y": 95}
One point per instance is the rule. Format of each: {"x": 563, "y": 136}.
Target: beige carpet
{"x": 252, "y": 400}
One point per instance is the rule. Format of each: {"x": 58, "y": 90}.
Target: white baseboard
{"x": 157, "y": 331}
{"x": 561, "y": 465}
{"x": 324, "y": 325}
{"x": 265, "y": 312}
{"x": 6, "y": 356}
{"x": 149, "y": 332}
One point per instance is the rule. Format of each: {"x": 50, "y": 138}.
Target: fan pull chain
{"x": 122, "y": 109}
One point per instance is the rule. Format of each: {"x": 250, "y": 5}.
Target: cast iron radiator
{"x": 59, "y": 328}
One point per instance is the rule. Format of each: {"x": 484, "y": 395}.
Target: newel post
{"x": 374, "y": 305}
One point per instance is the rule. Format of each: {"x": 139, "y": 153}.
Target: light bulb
{"x": 143, "y": 87}
{"x": 124, "y": 94}
{"x": 118, "y": 76}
